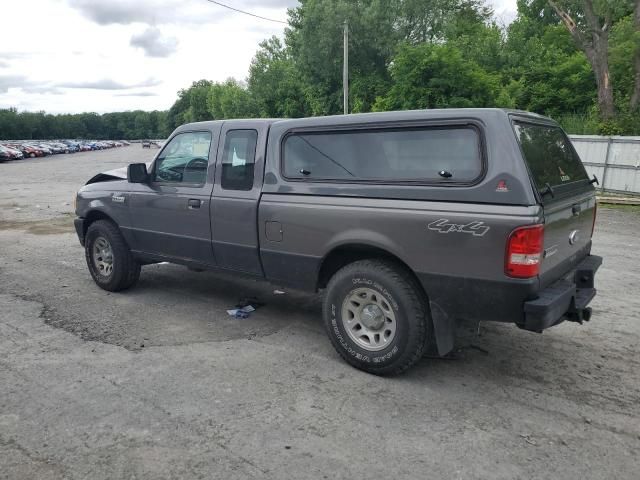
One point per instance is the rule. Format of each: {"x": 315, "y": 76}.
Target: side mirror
{"x": 137, "y": 173}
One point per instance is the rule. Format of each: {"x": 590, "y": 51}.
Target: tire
{"x": 113, "y": 271}
{"x": 391, "y": 306}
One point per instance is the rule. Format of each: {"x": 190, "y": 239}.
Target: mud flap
{"x": 444, "y": 329}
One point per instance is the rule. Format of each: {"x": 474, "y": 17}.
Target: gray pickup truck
{"x": 410, "y": 221}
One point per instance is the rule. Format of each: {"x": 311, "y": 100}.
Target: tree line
{"x": 108, "y": 126}
{"x": 575, "y": 60}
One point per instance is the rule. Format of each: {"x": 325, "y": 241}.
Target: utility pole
{"x": 345, "y": 68}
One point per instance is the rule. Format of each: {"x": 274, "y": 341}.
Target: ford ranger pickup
{"x": 409, "y": 221}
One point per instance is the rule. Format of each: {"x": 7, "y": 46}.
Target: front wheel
{"x": 109, "y": 259}
{"x": 376, "y": 316}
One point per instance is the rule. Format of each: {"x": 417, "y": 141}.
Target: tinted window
{"x": 408, "y": 154}
{"x": 238, "y": 159}
{"x": 185, "y": 159}
{"x": 550, "y": 155}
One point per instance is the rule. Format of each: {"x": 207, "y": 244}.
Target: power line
{"x": 246, "y": 13}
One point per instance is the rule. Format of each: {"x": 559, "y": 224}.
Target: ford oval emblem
{"x": 573, "y": 237}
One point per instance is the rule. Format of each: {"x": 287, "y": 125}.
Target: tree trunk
{"x": 635, "y": 97}
{"x": 595, "y": 45}
{"x": 598, "y": 57}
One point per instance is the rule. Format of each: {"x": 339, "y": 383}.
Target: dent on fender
{"x": 96, "y": 204}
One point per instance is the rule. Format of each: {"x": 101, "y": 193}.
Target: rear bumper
{"x": 566, "y": 299}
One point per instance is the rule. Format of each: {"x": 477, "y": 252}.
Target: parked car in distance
{"x": 72, "y": 146}
{"x": 19, "y": 148}
{"x": 15, "y": 153}
{"x": 5, "y": 155}
{"x": 41, "y": 151}
{"x": 146, "y": 144}
{"x": 29, "y": 151}
{"x": 46, "y": 149}
{"x": 63, "y": 147}
{"x": 408, "y": 220}
{"x": 52, "y": 150}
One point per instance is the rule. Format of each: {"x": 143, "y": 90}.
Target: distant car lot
{"x": 161, "y": 382}
{"x": 19, "y": 149}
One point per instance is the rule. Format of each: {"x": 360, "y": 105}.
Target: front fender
{"x": 114, "y": 205}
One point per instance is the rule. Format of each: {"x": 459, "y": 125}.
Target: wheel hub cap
{"x": 368, "y": 319}
{"x": 372, "y": 317}
{"x": 102, "y": 256}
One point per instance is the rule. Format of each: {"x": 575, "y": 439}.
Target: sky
{"x": 70, "y": 56}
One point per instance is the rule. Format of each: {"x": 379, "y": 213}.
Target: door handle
{"x": 193, "y": 203}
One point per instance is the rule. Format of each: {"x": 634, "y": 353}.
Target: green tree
{"x": 231, "y": 100}
{"x": 315, "y": 42}
{"x": 197, "y": 94}
{"x": 589, "y": 23}
{"x": 438, "y": 76}
{"x": 431, "y": 21}
{"x": 275, "y": 83}
{"x": 635, "y": 96}
{"x": 544, "y": 71}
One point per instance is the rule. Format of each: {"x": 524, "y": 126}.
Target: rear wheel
{"x": 109, "y": 259}
{"x": 376, "y": 316}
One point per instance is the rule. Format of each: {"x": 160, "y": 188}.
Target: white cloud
{"x": 156, "y": 12}
{"x": 125, "y": 12}
{"x": 78, "y": 55}
{"x": 504, "y": 10}
{"x": 153, "y": 43}
{"x": 137, "y": 94}
{"x": 11, "y": 81}
{"x": 108, "y": 84}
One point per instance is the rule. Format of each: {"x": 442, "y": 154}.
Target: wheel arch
{"x": 344, "y": 254}
{"x": 93, "y": 216}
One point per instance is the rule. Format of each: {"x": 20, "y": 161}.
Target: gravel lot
{"x": 159, "y": 382}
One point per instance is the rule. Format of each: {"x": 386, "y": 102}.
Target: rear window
{"x": 238, "y": 159}
{"x": 427, "y": 154}
{"x": 550, "y": 155}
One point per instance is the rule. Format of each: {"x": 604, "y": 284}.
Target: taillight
{"x": 593, "y": 224}
{"x": 524, "y": 251}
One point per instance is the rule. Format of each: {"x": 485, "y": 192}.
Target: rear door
{"x": 236, "y": 193}
{"x": 564, "y": 190}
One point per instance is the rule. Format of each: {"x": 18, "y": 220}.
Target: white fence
{"x": 614, "y": 160}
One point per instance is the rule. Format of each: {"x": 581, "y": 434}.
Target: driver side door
{"x": 170, "y": 213}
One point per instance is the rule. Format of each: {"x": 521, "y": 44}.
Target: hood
{"x": 111, "y": 175}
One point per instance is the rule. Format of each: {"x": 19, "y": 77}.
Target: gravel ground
{"x": 159, "y": 382}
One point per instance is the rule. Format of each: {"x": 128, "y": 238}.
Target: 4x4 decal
{"x": 443, "y": 225}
